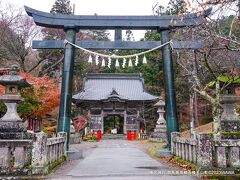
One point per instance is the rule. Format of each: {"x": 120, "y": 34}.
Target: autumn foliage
{"x": 40, "y": 99}
{"x": 1, "y": 89}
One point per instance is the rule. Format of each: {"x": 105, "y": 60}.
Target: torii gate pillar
{"x": 64, "y": 119}
{"x": 171, "y": 110}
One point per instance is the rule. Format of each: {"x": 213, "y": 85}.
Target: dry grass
{"x": 201, "y": 129}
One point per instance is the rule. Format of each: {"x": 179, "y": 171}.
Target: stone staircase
{"x": 113, "y": 136}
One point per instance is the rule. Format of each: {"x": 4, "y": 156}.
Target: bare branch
{"x": 52, "y": 66}
{"x": 39, "y": 62}
{"x": 227, "y": 39}
{"x": 209, "y": 66}
{"x": 205, "y": 95}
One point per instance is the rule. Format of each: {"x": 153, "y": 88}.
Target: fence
{"x": 227, "y": 153}
{"x": 185, "y": 148}
{"x": 46, "y": 151}
{"x": 55, "y": 149}
{"x": 204, "y": 150}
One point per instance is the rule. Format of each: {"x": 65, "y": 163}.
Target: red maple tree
{"x": 1, "y": 89}
{"x": 46, "y": 92}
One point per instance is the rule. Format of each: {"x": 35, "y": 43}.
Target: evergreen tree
{"x": 62, "y": 7}
{"x": 174, "y": 7}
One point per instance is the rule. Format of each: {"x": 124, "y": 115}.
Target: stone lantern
{"x": 11, "y": 125}
{"x": 160, "y": 131}
{"x": 230, "y": 121}
{"x": 228, "y": 102}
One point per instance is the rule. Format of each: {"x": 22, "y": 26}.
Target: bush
{"x": 90, "y": 138}
{"x": 183, "y": 127}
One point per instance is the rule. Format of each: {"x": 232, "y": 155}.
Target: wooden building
{"x": 117, "y": 97}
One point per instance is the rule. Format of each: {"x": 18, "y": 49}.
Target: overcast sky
{"x": 101, "y": 7}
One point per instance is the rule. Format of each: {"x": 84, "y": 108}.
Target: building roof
{"x": 107, "y": 86}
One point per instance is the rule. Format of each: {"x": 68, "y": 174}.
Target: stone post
{"x": 234, "y": 159}
{"x": 4, "y": 157}
{"x": 182, "y": 151}
{"x": 63, "y": 134}
{"x": 221, "y": 157}
{"x": 20, "y": 156}
{"x": 204, "y": 149}
{"x": 39, "y": 152}
{"x": 194, "y": 154}
{"x": 190, "y": 149}
{"x": 173, "y": 146}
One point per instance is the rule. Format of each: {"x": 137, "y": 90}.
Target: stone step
{"x": 113, "y": 136}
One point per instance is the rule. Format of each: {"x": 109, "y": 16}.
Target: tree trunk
{"x": 196, "y": 109}
{"x": 216, "y": 112}
{"x": 191, "y": 113}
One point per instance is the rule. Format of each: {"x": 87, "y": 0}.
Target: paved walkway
{"x": 118, "y": 160}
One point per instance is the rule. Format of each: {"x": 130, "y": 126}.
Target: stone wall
{"x": 15, "y": 157}
{"x": 227, "y": 153}
{"x": 230, "y": 126}
{"x": 230, "y": 129}
{"x": 206, "y": 151}
{"x": 31, "y": 156}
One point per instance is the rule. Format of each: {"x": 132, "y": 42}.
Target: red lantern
{"x": 129, "y": 135}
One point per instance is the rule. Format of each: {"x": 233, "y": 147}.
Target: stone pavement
{"x": 118, "y": 160}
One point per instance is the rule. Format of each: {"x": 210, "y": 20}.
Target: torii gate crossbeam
{"x": 73, "y": 23}
{"x": 141, "y": 45}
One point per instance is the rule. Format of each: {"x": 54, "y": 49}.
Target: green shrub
{"x": 183, "y": 127}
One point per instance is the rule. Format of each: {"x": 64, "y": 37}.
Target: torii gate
{"x": 71, "y": 24}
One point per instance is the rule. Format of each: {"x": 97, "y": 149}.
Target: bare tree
{"x": 212, "y": 63}
{"x": 16, "y": 33}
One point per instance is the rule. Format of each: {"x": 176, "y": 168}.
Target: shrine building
{"x": 114, "y": 101}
